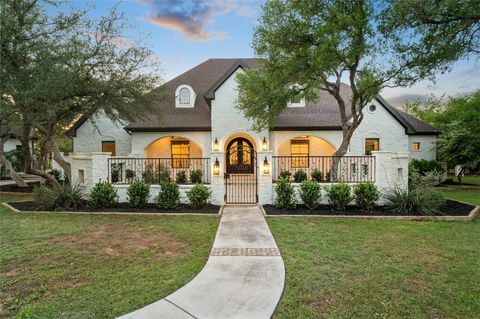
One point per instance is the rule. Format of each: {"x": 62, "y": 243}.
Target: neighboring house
{"x": 199, "y": 124}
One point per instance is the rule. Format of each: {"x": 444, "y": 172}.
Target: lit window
{"x": 184, "y": 96}
{"x": 108, "y": 146}
{"x": 416, "y": 146}
{"x": 180, "y": 154}
{"x": 299, "y": 150}
{"x": 371, "y": 144}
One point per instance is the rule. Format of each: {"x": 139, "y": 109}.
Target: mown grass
{"x": 84, "y": 266}
{"x": 464, "y": 194}
{"x": 379, "y": 268}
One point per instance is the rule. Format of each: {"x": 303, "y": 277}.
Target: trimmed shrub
{"x": 138, "y": 193}
{"x": 366, "y": 195}
{"x": 423, "y": 166}
{"x": 339, "y": 195}
{"x": 169, "y": 195}
{"x": 130, "y": 174}
{"x": 327, "y": 176}
{"x": 163, "y": 173}
{"x": 284, "y": 174}
{"x": 285, "y": 194}
{"x": 115, "y": 173}
{"x": 317, "y": 175}
{"x": 44, "y": 198}
{"x": 196, "y": 176}
{"x": 300, "y": 176}
{"x": 181, "y": 177}
{"x": 419, "y": 200}
{"x": 103, "y": 195}
{"x": 310, "y": 194}
{"x": 199, "y": 196}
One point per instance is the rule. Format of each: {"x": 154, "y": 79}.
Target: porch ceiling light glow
{"x": 215, "y": 145}
{"x": 216, "y": 167}
{"x": 266, "y": 167}
{"x": 264, "y": 145}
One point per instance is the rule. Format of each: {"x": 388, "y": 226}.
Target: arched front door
{"x": 240, "y": 156}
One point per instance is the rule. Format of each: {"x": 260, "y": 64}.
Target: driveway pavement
{"x": 243, "y": 277}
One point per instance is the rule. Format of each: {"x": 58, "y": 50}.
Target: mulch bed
{"x": 125, "y": 208}
{"x": 450, "y": 208}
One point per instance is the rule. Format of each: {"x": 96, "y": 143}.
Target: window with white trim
{"x": 185, "y": 96}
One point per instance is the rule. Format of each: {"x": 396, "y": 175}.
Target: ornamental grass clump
{"x": 169, "y": 195}
{"x": 285, "y": 194}
{"x": 138, "y": 193}
{"x": 199, "y": 196}
{"x": 366, "y": 195}
{"x": 63, "y": 197}
{"x": 416, "y": 201}
{"x": 103, "y": 195}
{"x": 310, "y": 193}
{"x": 339, "y": 195}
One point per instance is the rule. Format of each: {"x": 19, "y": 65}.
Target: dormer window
{"x": 185, "y": 96}
{"x": 296, "y": 101}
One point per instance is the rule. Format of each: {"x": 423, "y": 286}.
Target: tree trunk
{"x": 31, "y": 165}
{"x": 57, "y": 156}
{"x": 8, "y": 166}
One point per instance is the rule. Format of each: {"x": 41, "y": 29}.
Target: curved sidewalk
{"x": 243, "y": 277}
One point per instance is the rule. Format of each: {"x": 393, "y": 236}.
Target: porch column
{"x": 217, "y": 184}
{"x": 265, "y": 192}
{"x": 391, "y": 170}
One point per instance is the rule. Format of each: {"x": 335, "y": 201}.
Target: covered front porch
{"x": 311, "y": 157}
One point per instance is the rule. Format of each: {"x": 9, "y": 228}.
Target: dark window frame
{"x": 416, "y": 148}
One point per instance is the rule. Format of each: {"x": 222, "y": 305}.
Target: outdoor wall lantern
{"x": 216, "y": 167}
{"x": 264, "y": 145}
{"x": 266, "y": 167}
{"x": 215, "y": 145}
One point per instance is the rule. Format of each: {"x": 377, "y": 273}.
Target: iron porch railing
{"x": 349, "y": 169}
{"x": 125, "y": 170}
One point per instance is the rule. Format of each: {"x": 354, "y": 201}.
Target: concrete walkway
{"x": 243, "y": 277}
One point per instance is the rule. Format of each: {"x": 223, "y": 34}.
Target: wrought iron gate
{"x": 241, "y": 175}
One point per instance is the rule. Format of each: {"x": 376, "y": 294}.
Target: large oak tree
{"x": 57, "y": 67}
{"x": 309, "y": 46}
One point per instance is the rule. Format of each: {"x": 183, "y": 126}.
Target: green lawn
{"x": 468, "y": 179}
{"x": 378, "y": 269}
{"x": 463, "y": 194}
{"x": 74, "y": 266}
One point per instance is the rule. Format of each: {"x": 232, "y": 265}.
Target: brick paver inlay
{"x": 244, "y": 251}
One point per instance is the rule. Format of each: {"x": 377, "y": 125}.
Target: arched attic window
{"x": 185, "y": 96}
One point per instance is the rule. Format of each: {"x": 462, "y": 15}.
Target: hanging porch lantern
{"x": 264, "y": 145}
{"x": 216, "y": 167}
{"x": 215, "y": 145}
{"x": 266, "y": 167}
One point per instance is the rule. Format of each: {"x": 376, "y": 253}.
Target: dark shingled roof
{"x": 206, "y": 77}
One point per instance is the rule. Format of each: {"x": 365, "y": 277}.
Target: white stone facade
{"x": 428, "y": 148}
{"x": 100, "y": 128}
{"x": 227, "y": 122}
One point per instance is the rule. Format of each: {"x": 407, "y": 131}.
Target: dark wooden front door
{"x": 240, "y": 157}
